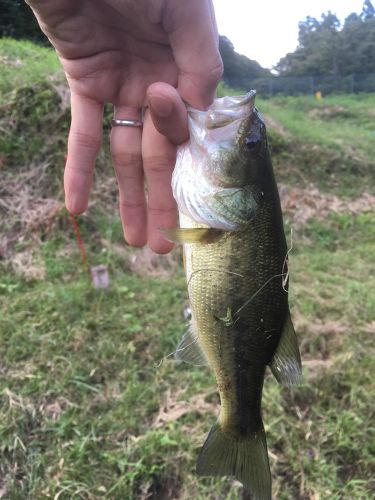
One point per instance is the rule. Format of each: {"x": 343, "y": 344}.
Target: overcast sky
{"x": 267, "y": 30}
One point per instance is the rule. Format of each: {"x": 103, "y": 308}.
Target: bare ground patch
{"x": 145, "y": 262}
{"x": 173, "y": 408}
{"x": 302, "y": 204}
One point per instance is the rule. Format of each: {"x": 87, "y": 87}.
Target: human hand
{"x": 132, "y": 53}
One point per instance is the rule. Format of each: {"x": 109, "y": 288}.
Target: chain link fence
{"x": 328, "y": 84}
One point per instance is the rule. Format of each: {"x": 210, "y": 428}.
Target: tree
{"x": 238, "y": 69}
{"x": 357, "y": 45}
{"x": 368, "y": 11}
{"x": 327, "y": 48}
{"x": 317, "y": 50}
{"x": 18, "y": 21}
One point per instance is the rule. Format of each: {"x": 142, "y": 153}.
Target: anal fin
{"x": 286, "y": 363}
{"x": 189, "y": 350}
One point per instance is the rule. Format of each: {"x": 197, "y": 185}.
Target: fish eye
{"x": 253, "y": 143}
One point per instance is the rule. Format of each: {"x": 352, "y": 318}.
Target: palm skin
{"x": 132, "y": 53}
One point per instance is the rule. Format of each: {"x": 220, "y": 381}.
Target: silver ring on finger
{"x": 120, "y": 122}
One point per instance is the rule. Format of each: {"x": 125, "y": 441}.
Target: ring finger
{"x": 127, "y": 160}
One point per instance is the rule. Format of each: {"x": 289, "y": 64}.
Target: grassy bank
{"x": 329, "y": 141}
{"x": 91, "y": 406}
{"x": 24, "y": 63}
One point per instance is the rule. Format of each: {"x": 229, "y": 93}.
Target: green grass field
{"x": 90, "y": 405}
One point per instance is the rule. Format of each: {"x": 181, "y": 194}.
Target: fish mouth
{"x": 224, "y": 111}
{"x": 221, "y": 124}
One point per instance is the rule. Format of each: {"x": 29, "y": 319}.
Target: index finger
{"x": 84, "y": 142}
{"x": 194, "y": 40}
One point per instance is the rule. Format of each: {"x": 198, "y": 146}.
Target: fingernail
{"x": 75, "y": 204}
{"x": 161, "y": 107}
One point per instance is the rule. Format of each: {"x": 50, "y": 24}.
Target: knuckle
{"x": 217, "y": 70}
{"x": 159, "y": 164}
{"x": 132, "y": 204}
{"x": 160, "y": 210}
{"x": 83, "y": 140}
{"x": 125, "y": 158}
{"x": 84, "y": 169}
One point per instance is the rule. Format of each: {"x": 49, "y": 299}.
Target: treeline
{"x": 328, "y": 48}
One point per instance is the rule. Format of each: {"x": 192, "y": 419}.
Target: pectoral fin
{"x": 192, "y": 235}
{"x": 189, "y": 350}
{"x": 286, "y": 363}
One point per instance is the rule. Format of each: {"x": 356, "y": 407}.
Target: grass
{"x": 330, "y": 141}
{"x": 82, "y": 387}
{"x": 319, "y": 121}
{"x": 24, "y": 63}
{"x": 90, "y": 407}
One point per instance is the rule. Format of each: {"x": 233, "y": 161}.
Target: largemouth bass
{"x": 235, "y": 256}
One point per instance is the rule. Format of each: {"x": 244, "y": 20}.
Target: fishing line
{"x": 158, "y": 365}
{"x": 284, "y": 275}
{"x": 285, "y": 280}
{"x": 80, "y": 243}
{"x": 255, "y": 294}
{"x": 214, "y": 270}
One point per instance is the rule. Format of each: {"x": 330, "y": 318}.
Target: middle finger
{"x": 159, "y": 156}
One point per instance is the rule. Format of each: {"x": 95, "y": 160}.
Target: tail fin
{"x": 245, "y": 458}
